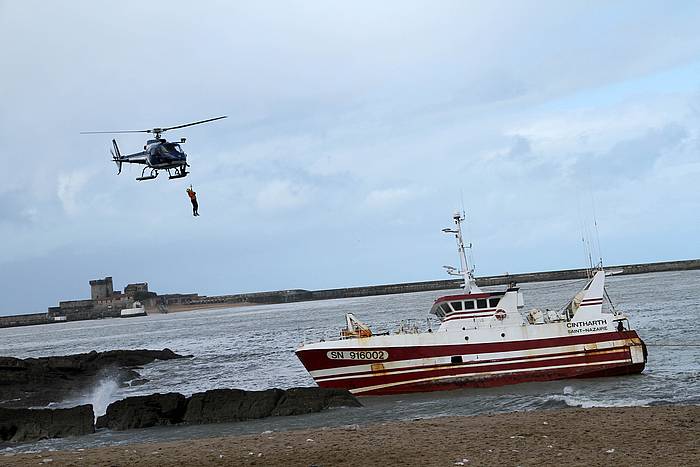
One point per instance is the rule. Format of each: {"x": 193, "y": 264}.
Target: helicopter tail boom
{"x": 117, "y": 156}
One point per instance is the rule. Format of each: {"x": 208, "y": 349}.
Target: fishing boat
{"x": 484, "y": 339}
{"x": 137, "y": 309}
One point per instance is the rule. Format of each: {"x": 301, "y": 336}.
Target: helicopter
{"x": 158, "y": 153}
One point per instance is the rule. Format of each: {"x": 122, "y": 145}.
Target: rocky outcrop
{"x": 220, "y": 406}
{"x": 215, "y": 406}
{"x": 231, "y": 405}
{"x": 144, "y": 411}
{"x": 21, "y": 425}
{"x": 298, "y": 401}
{"x": 39, "y": 381}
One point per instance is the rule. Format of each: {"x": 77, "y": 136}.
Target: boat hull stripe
{"x": 485, "y": 357}
{"x": 316, "y": 358}
{"x": 417, "y": 367}
{"x": 454, "y": 317}
{"x": 496, "y": 377}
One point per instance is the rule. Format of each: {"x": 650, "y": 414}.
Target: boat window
{"x": 481, "y": 303}
{"x": 457, "y": 306}
{"x": 446, "y": 308}
{"x": 469, "y": 304}
{"x": 493, "y": 302}
{"x": 456, "y": 359}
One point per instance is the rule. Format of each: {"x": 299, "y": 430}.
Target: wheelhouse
{"x": 468, "y": 303}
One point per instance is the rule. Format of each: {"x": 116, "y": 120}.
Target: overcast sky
{"x": 355, "y": 130}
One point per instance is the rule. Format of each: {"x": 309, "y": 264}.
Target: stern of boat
{"x": 638, "y": 351}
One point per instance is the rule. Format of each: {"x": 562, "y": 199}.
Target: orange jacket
{"x": 191, "y": 194}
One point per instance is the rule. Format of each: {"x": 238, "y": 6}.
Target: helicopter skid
{"x": 154, "y": 174}
{"x": 180, "y": 172}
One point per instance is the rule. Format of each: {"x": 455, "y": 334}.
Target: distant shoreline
{"x": 193, "y": 302}
{"x": 660, "y": 435}
{"x": 203, "y": 306}
{"x": 302, "y": 295}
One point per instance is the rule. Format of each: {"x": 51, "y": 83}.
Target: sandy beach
{"x": 665, "y": 435}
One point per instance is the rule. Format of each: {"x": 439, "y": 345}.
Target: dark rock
{"x": 20, "y": 425}
{"x": 297, "y": 401}
{"x": 231, "y": 405}
{"x": 133, "y": 358}
{"x": 144, "y": 411}
{"x": 124, "y": 376}
{"x": 220, "y": 406}
{"x": 39, "y": 381}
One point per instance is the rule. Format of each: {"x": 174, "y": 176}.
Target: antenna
{"x": 465, "y": 271}
{"x": 589, "y": 186}
{"x": 597, "y": 235}
{"x": 584, "y": 240}
{"x": 470, "y": 253}
{"x": 589, "y": 249}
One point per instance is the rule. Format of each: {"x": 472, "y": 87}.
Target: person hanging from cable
{"x": 193, "y": 197}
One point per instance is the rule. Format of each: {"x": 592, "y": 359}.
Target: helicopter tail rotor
{"x": 116, "y": 156}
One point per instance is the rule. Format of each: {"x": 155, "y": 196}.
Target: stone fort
{"x": 104, "y": 302}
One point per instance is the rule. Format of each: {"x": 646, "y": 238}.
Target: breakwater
{"x": 194, "y": 300}
{"x": 299, "y": 295}
{"x": 24, "y": 320}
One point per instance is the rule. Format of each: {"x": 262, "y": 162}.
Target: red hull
{"x": 494, "y": 381}
{"x": 380, "y": 380}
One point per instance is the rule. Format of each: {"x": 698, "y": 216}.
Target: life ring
{"x": 500, "y": 314}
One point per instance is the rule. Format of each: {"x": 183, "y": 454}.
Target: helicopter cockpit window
{"x": 172, "y": 147}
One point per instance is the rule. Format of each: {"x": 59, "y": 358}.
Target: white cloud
{"x": 361, "y": 108}
{"x": 280, "y": 195}
{"x": 598, "y": 128}
{"x": 69, "y": 189}
{"x": 31, "y": 215}
{"x": 387, "y": 197}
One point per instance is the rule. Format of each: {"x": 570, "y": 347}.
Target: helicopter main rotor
{"x": 155, "y": 131}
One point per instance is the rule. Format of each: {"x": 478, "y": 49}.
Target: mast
{"x": 465, "y": 271}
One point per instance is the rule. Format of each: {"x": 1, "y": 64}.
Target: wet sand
{"x": 668, "y": 435}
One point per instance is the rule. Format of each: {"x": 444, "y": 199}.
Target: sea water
{"x": 252, "y": 347}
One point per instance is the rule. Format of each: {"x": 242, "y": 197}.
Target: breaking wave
{"x": 576, "y": 398}
{"x": 101, "y": 395}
